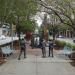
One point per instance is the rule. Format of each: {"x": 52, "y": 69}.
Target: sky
{"x": 39, "y": 21}
{"x": 39, "y": 18}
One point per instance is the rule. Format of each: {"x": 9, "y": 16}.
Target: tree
{"x": 24, "y": 9}
{"x": 5, "y": 10}
{"x": 11, "y": 9}
{"x": 65, "y": 10}
{"x": 18, "y": 12}
{"x": 27, "y": 26}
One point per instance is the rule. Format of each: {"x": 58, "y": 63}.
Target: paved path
{"x": 35, "y": 65}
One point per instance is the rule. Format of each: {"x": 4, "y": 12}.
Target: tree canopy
{"x": 16, "y": 11}
{"x": 64, "y": 9}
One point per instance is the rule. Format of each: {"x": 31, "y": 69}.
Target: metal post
{"x": 12, "y": 35}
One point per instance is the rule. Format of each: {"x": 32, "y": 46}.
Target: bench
{"x": 66, "y": 51}
{"x": 6, "y": 50}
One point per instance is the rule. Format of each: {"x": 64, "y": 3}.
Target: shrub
{"x": 73, "y": 47}
{"x": 60, "y": 43}
{"x": 69, "y": 45}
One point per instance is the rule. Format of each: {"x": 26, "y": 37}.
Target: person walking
{"x": 43, "y": 48}
{"x": 50, "y": 48}
{"x": 23, "y": 48}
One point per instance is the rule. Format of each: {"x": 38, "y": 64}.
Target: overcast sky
{"x": 39, "y": 18}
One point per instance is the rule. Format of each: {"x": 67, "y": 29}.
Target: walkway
{"x": 35, "y": 65}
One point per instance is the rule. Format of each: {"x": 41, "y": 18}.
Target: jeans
{"x": 22, "y": 50}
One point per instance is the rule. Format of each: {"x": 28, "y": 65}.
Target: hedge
{"x": 64, "y": 43}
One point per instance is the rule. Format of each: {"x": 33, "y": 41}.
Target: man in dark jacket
{"x": 50, "y": 48}
{"x": 23, "y": 48}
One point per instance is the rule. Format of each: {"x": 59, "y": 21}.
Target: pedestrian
{"x": 22, "y": 48}
{"x": 43, "y": 48}
{"x": 36, "y": 43}
{"x": 50, "y": 48}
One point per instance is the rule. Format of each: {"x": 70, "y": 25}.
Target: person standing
{"x": 43, "y": 48}
{"x": 23, "y": 48}
{"x": 36, "y": 41}
{"x": 50, "y": 48}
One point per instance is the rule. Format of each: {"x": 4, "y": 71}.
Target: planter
{"x": 58, "y": 47}
{"x": 73, "y": 55}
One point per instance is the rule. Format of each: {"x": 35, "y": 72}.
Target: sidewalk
{"x": 34, "y": 64}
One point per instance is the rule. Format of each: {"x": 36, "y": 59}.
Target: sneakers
{"x": 25, "y": 57}
{"x": 18, "y": 58}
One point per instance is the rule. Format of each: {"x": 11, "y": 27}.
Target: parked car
{"x": 60, "y": 36}
{"x": 73, "y": 40}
